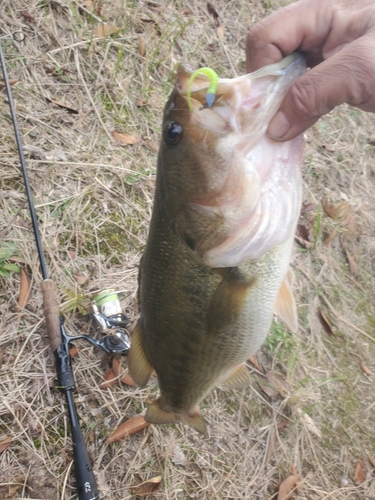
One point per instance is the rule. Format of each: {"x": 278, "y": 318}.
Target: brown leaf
{"x": 151, "y": 146}
{"x": 141, "y": 46}
{"x": 4, "y": 443}
{"x": 371, "y": 460}
{"x": 80, "y": 277}
{"x": 109, "y": 380}
{"x": 286, "y": 487}
{"x": 339, "y": 212}
{"x": 27, "y": 16}
{"x": 12, "y": 81}
{"x": 302, "y": 236}
{"x": 63, "y": 106}
{"x": 139, "y": 103}
{"x": 129, "y": 427}
{"x": 307, "y": 207}
{"x": 73, "y": 351}
{"x": 267, "y": 387}
{"x": 147, "y": 487}
{"x": 124, "y": 138}
{"x": 360, "y": 471}
{"x": 365, "y": 369}
{"x": 116, "y": 367}
{"x": 278, "y": 382}
{"x": 220, "y": 30}
{"x": 211, "y": 10}
{"x": 271, "y": 445}
{"x": 350, "y": 225}
{"x": 25, "y": 289}
{"x": 126, "y": 379}
{"x": 331, "y": 237}
{"x": 324, "y": 322}
{"x": 353, "y": 268}
{"x": 104, "y": 30}
{"x": 253, "y": 360}
{"x": 187, "y": 12}
{"x": 281, "y": 426}
{"x": 72, "y": 253}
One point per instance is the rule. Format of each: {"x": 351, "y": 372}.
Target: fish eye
{"x": 172, "y": 134}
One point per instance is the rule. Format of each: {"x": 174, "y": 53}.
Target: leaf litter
{"x": 70, "y": 159}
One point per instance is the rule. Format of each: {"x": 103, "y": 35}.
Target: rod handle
{"x": 51, "y": 312}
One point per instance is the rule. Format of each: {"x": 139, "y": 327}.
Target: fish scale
{"x": 199, "y": 322}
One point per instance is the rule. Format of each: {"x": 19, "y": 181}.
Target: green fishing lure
{"x": 211, "y": 91}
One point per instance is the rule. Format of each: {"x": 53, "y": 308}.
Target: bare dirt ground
{"x": 93, "y": 197}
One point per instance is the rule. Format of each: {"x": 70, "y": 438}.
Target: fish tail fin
{"x": 157, "y": 415}
{"x": 140, "y": 369}
{"x": 285, "y": 305}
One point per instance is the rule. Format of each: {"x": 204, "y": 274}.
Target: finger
{"x": 303, "y": 25}
{"x": 347, "y": 76}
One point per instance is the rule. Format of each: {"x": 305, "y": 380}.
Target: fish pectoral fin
{"x": 140, "y": 369}
{"x": 239, "y": 377}
{"x": 285, "y": 305}
{"x": 157, "y": 415}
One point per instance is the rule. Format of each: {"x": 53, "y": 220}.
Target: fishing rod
{"x": 107, "y": 316}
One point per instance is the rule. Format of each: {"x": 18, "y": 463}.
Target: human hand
{"x": 338, "y": 40}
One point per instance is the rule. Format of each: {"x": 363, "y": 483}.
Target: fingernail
{"x": 278, "y": 126}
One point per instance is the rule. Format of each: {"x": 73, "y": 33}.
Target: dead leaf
{"x": 302, "y": 236}
{"x": 365, "y": 369}
{"x": 281, "y": 426}
{"x": 293, "y": 470}
{"x": 278, "y": 382}
{"x": 73, "y": 351}
{"x": 126, "y": 379}
{"x": 220, "y": 30}
{"x": 267, "y": 387}
{"x": 116, "y": 367}
{"x": 25, "y": 289}
{"x": 104, "y": 30}
{"x": 211, "y": 10}
{"x": 141, "y": 46}
{"x": 129, "y": 427}
{"x": 124, "y": 138}
{"x": 151, "y": 146}
{"x": 178, "y": 457}
{"x": 353, "y": 268}
{"x": 109, "y": 380}
{"x": 63, "y": 106}
{"x": 349, "y": 226}
{"x": 327, "y": 242}
{"x": 139, "y": 103}
{"x": 286, "y": 487}
{"x": 271, "y": 445}
{"x": 11, "y": 81}
{"x": 80, "y": 277}
{"x": 187, "y": 12}
{"x": 324, "y": 322}
{"x": 4, "y": 443}
{"x": 360, "y": 471}
{"x": 147, "y": 487}
{"x": 27, "y": 16}
{"x": 371, "y": 460}
{"x": 253, "y": 360}
{"x": 307, "y": 207}
{"x": 309, "y": 422}
{"x": 338, "y": 212}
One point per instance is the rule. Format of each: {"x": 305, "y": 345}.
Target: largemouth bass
{"x": 216, "y": 262}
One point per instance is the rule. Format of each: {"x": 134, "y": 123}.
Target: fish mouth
{"x": 259, "y": 94}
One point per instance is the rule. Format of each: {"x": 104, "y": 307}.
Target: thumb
{"x": 347, "y": 76}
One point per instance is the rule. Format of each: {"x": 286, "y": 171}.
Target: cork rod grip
{"x": 51, "y": 313}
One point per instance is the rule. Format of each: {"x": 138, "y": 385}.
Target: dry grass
{"x": 94, "y": 196}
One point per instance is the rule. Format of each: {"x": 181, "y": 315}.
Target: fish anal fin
{"x": 285, "y": 305}
{"x": 239, "y": 377}
{"x": 157, "y": 415}
{"x": 140, "y": 369}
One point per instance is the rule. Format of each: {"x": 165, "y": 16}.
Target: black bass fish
{"x": 216, "y": 262}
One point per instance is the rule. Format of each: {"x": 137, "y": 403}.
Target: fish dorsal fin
{"x": 140, "y": 369}
{"x": 239, "y": 377}
{"x": 157, "y": 415}
{"x": 285, "y": 305}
